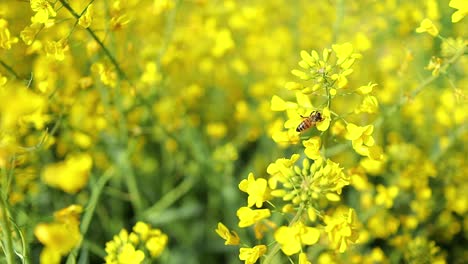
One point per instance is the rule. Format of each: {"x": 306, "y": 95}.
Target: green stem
{"x": 339, "y": 19}
{"x": 88, "y": 215}
{"x": 120, "y": 72}
{"x": 6, "y": 230}
{"x": 277, "y": 247}
{"x": 423, "y": 85}
{"x": 9, "y": 69}
{"x": 171, "y": 197}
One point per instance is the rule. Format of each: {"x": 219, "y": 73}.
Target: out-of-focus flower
{"x": 5, "y": 39}
{"x": 60, "y": 236}
{"x": 70, "y": 175}
{"x": 462, "y": 7}
{"x": 427, "y": 26}
{"x": 87, "y": 18}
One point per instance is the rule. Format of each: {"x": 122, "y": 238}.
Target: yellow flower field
{"x": 203, "y": 131}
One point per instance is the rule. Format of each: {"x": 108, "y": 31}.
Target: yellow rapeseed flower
{"x": 312, "y": 147}
{"x": 5, "y": 39}
{"x": 427, "y": 26}
{"x": 231, "y": 237}
{"x": 291, "y": 238}
{"x": 70, "y": 175}
{"x": 341, "y": 230}
{"x": 462, "y": 6}
{"x": 43, "y": 10}
{"x": 60, "y": 236}
{"x": 87, "y": 18}
{"x": 251, "y": 255}
{"x": 248, "y": 217}
{"x": 256, "y": 188}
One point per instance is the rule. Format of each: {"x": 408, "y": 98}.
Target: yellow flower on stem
{"x": 256, "y": 188}
{"x": 291, "y": 238}
{"x": 251, "y": 255}
{"x": 361, "y": 137}
{"x": 385, "y": 196}
{"x": 248, "y": 217}
{"x": 427, "y": 26}
{"x": 341, "y": 230}
{"x": 129, "y": 255}
{"x": 231, "y": 237}
{"x": 60, "y": 236}
{"x": 87, "y": 18}
{"x": 5, "y": 39}
{"x": 56, "y": 49}
{"x": 281, "y": 170}
{"x": 70, "y": 175}
{"x": 156, "y": 242}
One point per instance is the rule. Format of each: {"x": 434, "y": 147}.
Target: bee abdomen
{"x": 303, "y": 126}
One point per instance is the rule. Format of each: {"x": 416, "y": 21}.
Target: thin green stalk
{"x": 9, "y": 69}
{"x": 120, "y": 72}
{"x": 422, "y": 85}
{"x": 6, "y": 230}
{"x": 89, "y": 212}
{"x": 171, "y": 197}
{"x": 340, "y": 10}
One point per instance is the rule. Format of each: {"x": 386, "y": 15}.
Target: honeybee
{"x": 309, "y": 121}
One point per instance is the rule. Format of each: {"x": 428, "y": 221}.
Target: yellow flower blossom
{"x": 462, "y": 7}
{"x": 303, "y": 258}
{"x": 129, "y": 255}
{"x": 43, "y": 10}
{"x": 5, "y": 39}
{"x": 87, "y": 18}
{"x": 216, "y": 130}
{"x": 385, "y": 196}
{"x": 60, "y": 236}
{"x": 17, "y": 103}
{"x": 257, "y": 190}
{"x": 369, "y": 105}
{"x": 312, "y": 147}
{"x": 56, "y": 49}
{"x": 106, "y": 74}
{"x": 156, "y": 242}
{"x": 360, "y": 136}
{"x": 223, "y": 43}
{"x": 28, "y": 34}
{"x": 366, "y": 89}
{"x": 70, "y": 175}
{"x": 281, "y": 170}
{"x": 251, "y": 255}
{"x": 231, "y": 237}
{"x": 248, "y": 217}
{"x": 291, "y": 238}
{"x": 427, "y": 26}
{"x": 341, "y": 230}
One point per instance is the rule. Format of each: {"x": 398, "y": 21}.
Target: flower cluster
{"x": 143, "y": 243}
{"x": 308, "y": 192}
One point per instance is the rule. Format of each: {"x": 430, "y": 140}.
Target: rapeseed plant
{"x": 181, "y": 114}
